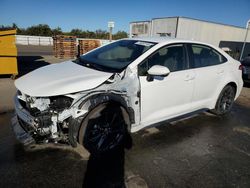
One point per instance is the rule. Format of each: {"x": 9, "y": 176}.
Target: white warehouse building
{"x": 228, "y": 37}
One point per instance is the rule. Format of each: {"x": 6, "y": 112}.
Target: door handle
{"x": 220, "y": 71}
{"x": 189, "y": 77}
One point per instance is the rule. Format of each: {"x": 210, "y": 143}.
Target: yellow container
{"x": 8, "y": 52}
{"x": 8, "y": 65}
{"x": 7, "y": 40}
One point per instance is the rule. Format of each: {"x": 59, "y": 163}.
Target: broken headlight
{"x": 59, "y": 103}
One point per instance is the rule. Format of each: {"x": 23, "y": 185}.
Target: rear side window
{"x": 204, "y": 56}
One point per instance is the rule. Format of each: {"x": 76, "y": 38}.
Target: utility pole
{"x": 110, "y": 34}
{"x": 111, "y": 25}
{"x": 244, "y": 44}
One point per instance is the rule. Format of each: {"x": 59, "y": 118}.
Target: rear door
{"x": 209, "y": 67}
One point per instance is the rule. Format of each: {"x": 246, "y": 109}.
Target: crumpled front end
{"x": 58, "y": 118}
{"x": 43, "y": 119}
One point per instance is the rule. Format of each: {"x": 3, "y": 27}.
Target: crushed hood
{"x": 60, "y": 79}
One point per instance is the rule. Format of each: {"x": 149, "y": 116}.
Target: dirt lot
{"x": 202, "y": 151}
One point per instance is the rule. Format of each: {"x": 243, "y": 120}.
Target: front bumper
{"x": 22, "y": 122}
{"x": 21, "y": 135}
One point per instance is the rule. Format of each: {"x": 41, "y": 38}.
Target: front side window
{"x": 171, "y": 57}
{"x": 116, "y": 56}
{"x": 204, "y": 56}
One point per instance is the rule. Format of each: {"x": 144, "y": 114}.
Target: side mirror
{"x": 157, "y": 70}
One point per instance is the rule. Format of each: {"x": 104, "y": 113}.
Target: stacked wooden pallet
{"x": 87, "y": 45}
{"x": 64, "y": 46}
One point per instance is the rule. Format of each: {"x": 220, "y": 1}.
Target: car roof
{"x": 166, "y": 40}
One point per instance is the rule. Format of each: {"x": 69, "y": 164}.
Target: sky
{"x": 94, "y": 14}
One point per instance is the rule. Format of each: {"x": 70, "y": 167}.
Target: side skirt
{"x": 179, "y": 118}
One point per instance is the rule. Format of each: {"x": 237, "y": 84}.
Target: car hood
{"x": 60, "y": 79}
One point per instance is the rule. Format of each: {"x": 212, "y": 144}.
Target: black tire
{"x": 225, "y": 101}
{"x": 104, "y": 129}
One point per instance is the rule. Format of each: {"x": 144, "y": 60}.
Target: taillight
{"x": 241, "y": 67}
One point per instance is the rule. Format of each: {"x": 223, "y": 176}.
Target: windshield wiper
{"x": 96, "y": 66}
{"x": 88, "y": 64}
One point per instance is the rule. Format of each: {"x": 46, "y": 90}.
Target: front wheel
{"x": 225, "y": 101}
{"x": 104, "y": 128}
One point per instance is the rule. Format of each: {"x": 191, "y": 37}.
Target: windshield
{"x": 116, "y": 56}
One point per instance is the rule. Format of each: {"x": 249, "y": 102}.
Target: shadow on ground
{"x": 107, "y": 170}
{"x": 27, "y": 64}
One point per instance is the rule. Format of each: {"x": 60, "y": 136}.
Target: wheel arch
{"x": 231, "y": 83}
{"x": 234, "y": 85}
{"x": 93, "y": 101}
{"x": 90, "y": 104}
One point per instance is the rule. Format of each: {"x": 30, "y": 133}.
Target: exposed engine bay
{"x": 47, "y": 113}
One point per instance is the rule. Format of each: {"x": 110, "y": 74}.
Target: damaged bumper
{"x": 23, "y": 137}
{"x": 21, "y": 123}
{"x": 42, "y": 126}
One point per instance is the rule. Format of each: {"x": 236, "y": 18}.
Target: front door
{"x": 166, "y": 97}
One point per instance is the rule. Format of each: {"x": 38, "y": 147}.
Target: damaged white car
{"x": 123, "y": 87}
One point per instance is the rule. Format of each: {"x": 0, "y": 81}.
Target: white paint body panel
{"x": 166, "y": 98}
{"x": 60, "y": 79}
{"x": 207, "y": 80}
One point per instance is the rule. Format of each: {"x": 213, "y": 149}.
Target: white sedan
{"x": 122, "y": 87}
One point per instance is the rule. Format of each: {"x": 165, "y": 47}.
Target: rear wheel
{"x": 225, "y": 101}
{"x": 104, "y": 128}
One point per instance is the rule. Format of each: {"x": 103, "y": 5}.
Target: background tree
{"x": 101, "y": 34}
{"x": 45, "y": 30}
{"x": 57, "y": 31}
{"x": 76, "y": 32}
{"x": 40, "y": 30}
{"x": 6, "y": 27}
{"x": 120, "y": 35}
